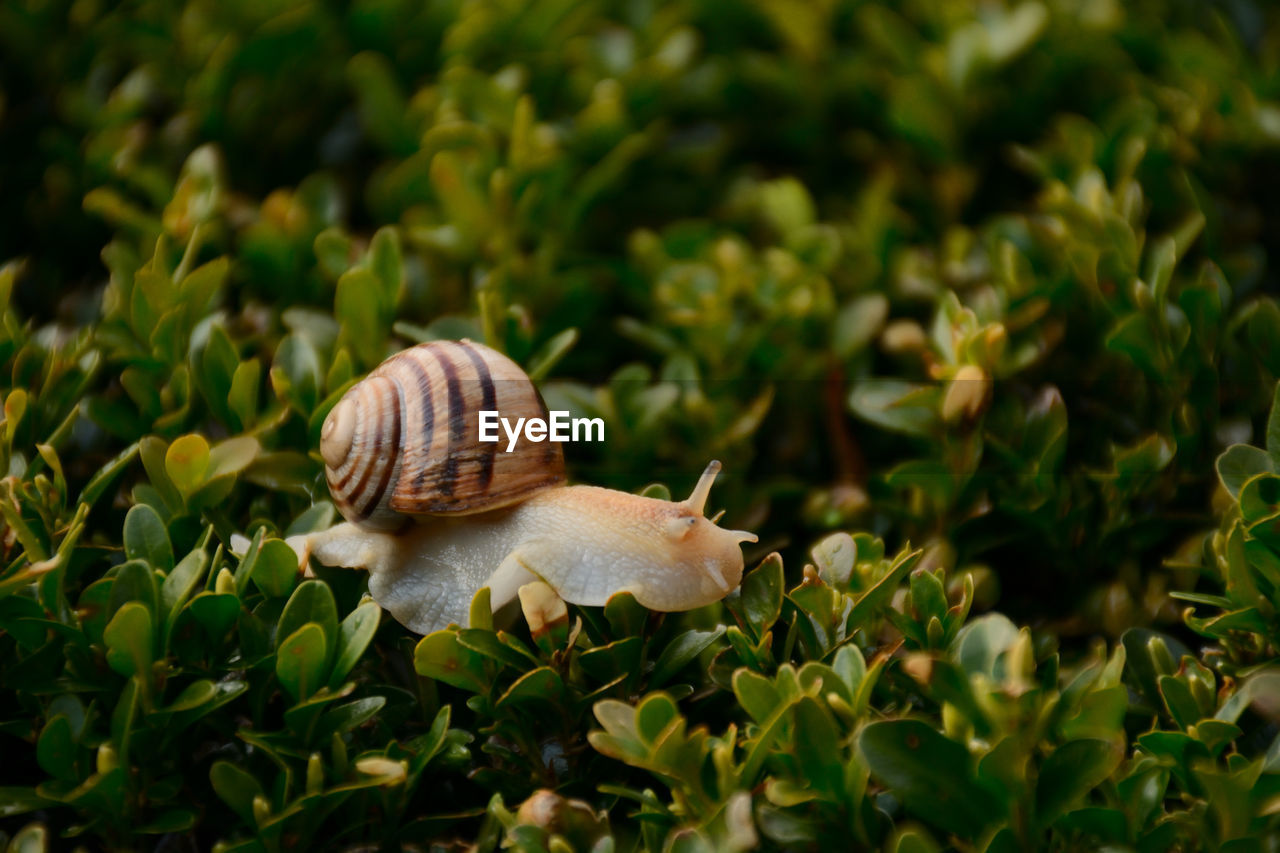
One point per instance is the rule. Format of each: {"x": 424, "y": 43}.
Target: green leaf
{"x": 130, "y": 638}
{"x": 858, "y": 323}
{"x": 15, "y": 406}
{"x": 32, "y": 545}
{"x": 56, "y": 748}
{"x": 179, "y": 583}
{"x": 152, "y": 451}
{"x": 193, "y": 695}
{"x": 32, "y": 838}
{"x": 317, "y": 517}
{"x": 619, "y": 659}
{"x": 1217, "y": 734}
{"x": 928, "y": 597}
{"x": 897, "y": 406}
{"x": 385, "y": 261}
{"x": 680, "y": 652}
{"x": 1070, "y": 772}
{"x": 169, "y": 822}
{"x": 94, "y": 607}
{"x": 429, "y": 745}
{"x": 488, "y": 644}
{"x": 1263, "y": 684}
{"x": 787, "y": 204}
{"x": 1161, "y": 259}
{"x": 249, "y": 560}
{"x": 300, "y": 661}
{"x": 981, "y": 643}
{"x": 106, "y": 475}
{"x": 1144, "y": 457}
{"x": 232, "y": 456}
{"x": 542, "y": 686}
{"x": 931, "y": 477}
{"x": 761, "y": 596}
{"x": 442, "y": 657}
{"x": 218, "y": 364}
{"x": 199, "y": 287}
{"x": 333, "y": 252}
{"x": 817, "y": 745}
{"x": 1136, "y": 337}
{"x": 340, "y": 376}
{"x": 834, "y": 558}
{"x": 186, "y": 462}
{"x": 931, "y": 775}
{"x": 882, "y": 591}
{"x": 16, "y": 801}
{"x": 1005, "y": 766}
{"x": 480, "y": 613}
{"x": 354, "y": 635}
{"x": 756, "y": 694}
{"x": 236, "y": 787}
{"x": 1264, "y": 560}
{"x": 1178, "y": 699}
{"x": 915, "y": 841}
{"x": 295, "y": 373}
{"x": 1101, "y": 713}
{"x": 312, "y": 601}
{"x": 1238, "y": 577}
{"x": 145, "y": 538}
{"x": 625, "y": 615}
{"x": 346, "y": 717}
{"x": 242, "y": 396}
{"x": 201, "y": 702}
{"x": 545, "y": 359}
{"x": 851, "y": 667}
{"x": 211, "y": 493}
{"x": 359, "y": 308}
{"x": 284, "y": 471}
{"x": 216, "y": 612}
{"x": 275, "y": 568}
{"x": 654, "y": 713}
{"x": 1100, "y": 823}
{"x": 24, "y": 619}
{"x": 304, "y": 717}
{"x": 1240, "y": 463}
{"x": 1177, "y": 749}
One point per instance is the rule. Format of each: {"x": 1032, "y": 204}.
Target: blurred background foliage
{"x": 993, "y": 283}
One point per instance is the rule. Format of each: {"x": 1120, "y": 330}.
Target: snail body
{"x": 586, "y": 542}
{"x": 430, "y": 542}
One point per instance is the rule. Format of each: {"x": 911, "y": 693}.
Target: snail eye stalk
{"x": 697, "y": 501}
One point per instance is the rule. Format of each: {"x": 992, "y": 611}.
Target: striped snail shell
{"x": 405, "y": 440}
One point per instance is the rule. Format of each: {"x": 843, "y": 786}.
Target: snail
{"x": 434, "y": 514}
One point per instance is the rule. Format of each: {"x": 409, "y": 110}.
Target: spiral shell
{"x": 405, "y": 441}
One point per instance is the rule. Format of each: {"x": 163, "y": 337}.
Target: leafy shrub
{"x": 968, "y": 296}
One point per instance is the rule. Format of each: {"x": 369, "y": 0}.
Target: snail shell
{"x": 405, "y": 441}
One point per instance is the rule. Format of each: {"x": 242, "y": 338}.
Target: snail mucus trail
{"x": 434, "y": 514}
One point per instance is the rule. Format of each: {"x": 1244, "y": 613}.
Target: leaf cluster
{"x": 993, "y": 278}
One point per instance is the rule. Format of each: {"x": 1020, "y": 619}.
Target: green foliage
{"x": 1243, "y": 559}
{"x": 990, "y": 278}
